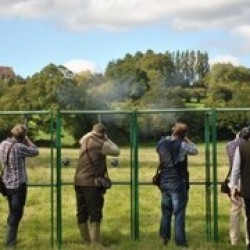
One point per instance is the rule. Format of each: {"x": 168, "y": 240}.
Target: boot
{"x": 84, "y": 231}
{"x": 11, "y": 237}
{"x": 94, "y": 231}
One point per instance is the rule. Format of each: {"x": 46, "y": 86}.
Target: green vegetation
{"x": 135, "y": 82}
{"x": 35, "y": 226}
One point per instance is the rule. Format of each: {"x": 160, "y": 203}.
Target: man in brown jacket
{"x": 95, "y": 146}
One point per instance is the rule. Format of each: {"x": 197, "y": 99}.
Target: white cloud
{"x": 117, "y": 14}
{"x": 230, "y": 16}
{"x": 78, "y": 65}
{"x": 225, "y": 59}
{"x": 243, "y": 30}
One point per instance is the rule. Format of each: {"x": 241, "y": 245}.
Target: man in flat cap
{"x": 95, "y": 146}
{"x": 13, "y": 152}
{"x": 172, "y": 151}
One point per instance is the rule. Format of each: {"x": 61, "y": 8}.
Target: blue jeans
{"x": 16, "y": 200}
{"x": 174, "y": 203}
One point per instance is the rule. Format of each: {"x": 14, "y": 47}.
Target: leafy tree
{"x": 190, "y": 68}
{"x": 229, "y": 86}
{"x": 156, "y": 62}
{"x": 83, "y": 77}
{"x": 202, "y": 65}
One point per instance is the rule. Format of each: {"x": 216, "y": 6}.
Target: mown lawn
{"x": 35, "y": 228}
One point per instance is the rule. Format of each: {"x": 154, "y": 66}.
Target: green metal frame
{"x": 58, "y": 181}
{"x": 210, "y": 184}
{"x": 134, "y": 174}
{"x": 134, "y": 178}
{"x": 51, "y": 184}
{"x": 215, "y": 179}
{"x": 207, "y": 134}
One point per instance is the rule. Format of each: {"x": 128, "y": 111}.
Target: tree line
{"x": 137, "y": 81}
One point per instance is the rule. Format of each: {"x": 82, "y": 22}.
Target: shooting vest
{"x": 174, "y": 173}
{"x": 91, "y": 161}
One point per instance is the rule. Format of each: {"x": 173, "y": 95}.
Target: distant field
{"x": 35, "y": 226}
{"x": 194, "y": 105}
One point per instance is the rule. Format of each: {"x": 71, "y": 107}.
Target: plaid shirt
{"x": 231, "y": 147}
{"x": 14, "y": 173}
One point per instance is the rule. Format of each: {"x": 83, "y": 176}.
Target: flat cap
{"x": 99, "y": 129}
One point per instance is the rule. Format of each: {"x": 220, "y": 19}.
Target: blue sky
{"x": 87, "y": 34}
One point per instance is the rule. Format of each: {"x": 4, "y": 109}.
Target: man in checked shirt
{"x": 13, "y": 152}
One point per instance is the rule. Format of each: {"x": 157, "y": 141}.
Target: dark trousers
{"x": 247, "y": 210}
{"x": 16, "y": 201}
{"x": 90, "y": 203}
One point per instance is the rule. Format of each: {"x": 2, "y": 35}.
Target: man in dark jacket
{"x": 173, "y": 151}
{"x": 241, "y": 170}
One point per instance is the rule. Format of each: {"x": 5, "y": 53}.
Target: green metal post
{"x": 215, "y": 179}
{"x": 131, "y": 179}
{"x": 58, "y": 181}
{"x": 208, "y": 179}
{"x": 134, "y": 178}
{"x": 52, "y": 176}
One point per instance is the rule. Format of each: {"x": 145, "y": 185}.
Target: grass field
{"x": 35, "y": 227}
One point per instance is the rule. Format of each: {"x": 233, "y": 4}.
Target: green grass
{"x": 194, "y": 105}
{"x": 35, "y": 226}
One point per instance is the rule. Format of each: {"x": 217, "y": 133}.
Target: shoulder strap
{"x": 8, "y": 153}
{"x": 159, "y": 167}
{"x": 229, "y": 173}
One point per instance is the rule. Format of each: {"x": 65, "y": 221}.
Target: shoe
{"x": 11, "y": 237}
{"x": 234, "y": 242}
{"x": 84, "y": 231}
{"x": 165, "y": 241}
{"x": 182, "y": 245}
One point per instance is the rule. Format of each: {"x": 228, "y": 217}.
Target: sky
{"x": 87, "y": 34}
